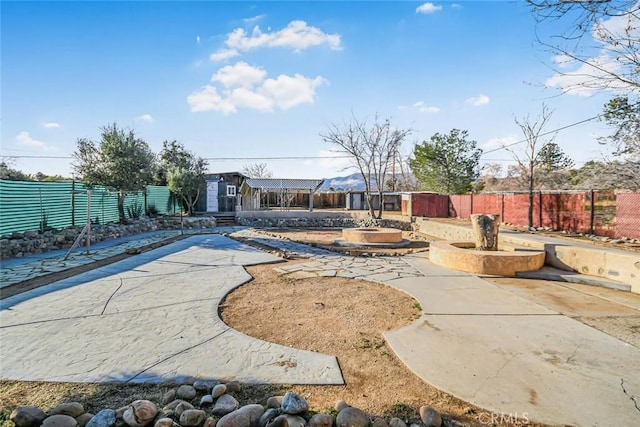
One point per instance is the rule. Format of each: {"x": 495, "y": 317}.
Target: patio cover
{"x": 283, "y": 184}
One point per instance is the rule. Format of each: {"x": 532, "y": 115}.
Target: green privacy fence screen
{"x": 26, "y": 205}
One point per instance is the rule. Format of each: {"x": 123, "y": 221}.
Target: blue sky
{"x": 249, "y": 79}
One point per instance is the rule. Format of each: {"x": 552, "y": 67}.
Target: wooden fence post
{"x": 592, "y": 216}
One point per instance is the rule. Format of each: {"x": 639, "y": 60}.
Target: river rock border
{"x": 323, "y": 222}
{"x": 208, "y": 403}
{"x": 19, "y": 244}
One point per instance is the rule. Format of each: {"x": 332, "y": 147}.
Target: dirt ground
{"x": 337, "y": 316}
{"x": 326, "y": 237}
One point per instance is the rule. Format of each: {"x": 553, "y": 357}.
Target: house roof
{"x": 273, "y": 184}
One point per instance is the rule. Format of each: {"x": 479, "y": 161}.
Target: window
{"x": 231, "y": 191}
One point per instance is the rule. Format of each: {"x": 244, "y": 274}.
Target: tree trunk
{"x": 485, "y": 229}
{"x": 372, "y": 212}
{"x": 121, "y": 216}
{"x": 380, "y": 208}
{"x": 531, "y": 185}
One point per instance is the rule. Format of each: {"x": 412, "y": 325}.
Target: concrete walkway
{"x": 149, "y": 318}
{"x": 491, "y": 344}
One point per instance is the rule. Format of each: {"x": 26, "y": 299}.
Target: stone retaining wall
{"x": 24, "y": 243}
{"x": 321, "y": 222}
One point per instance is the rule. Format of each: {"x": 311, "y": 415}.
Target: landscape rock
{"x": 430, "y": 417}
{"x": 218, "y": 390}
{"x": 321, "y": 420}
{"x": 140, "y": 413}
{"x": 379, "y": 422}
{"x": 164, "y": 422}
{"x": 279, "y": 421}
{"x": 352, "y": 417}
{"x": 169, "y": 397}
{"x": 247, "y": 416}
{"x": 295, "y": 420}
{"x": 27, "y": 416}
{"x": 396, "y": 422}
{"x": 73, "y": 409}
{"x": 120, "y": 412}
{"x": 83, "y": 419}
{"x": 341, "y": 404}
{"x": 210, "y": 422}
{"x": 181, "y": 407}
{"x": 192, "y": 417}
{"x": 171, "y": 406}
{"x": 274, "y": 401}
{"x": 225, "y": 405}
{"x": 233, "y": 386}
{"x": 59, "y": 420}
{"x": 104, "y": 418}
{"x": 268, "y": 416}
{"x": 207, "y": 399}
{"x": 294, "y": 404}
{"x": 205, "y": 386}
{"x": 186, "y": 392}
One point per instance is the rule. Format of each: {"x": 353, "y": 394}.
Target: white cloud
{"x": 499, "y": 142}
{"x": 145, "y": 118}
{"x": 477, "y": 101}
{"x": 563, "y": 61}
{"x": 244, "y": 97}
{"x": 428, "y": 8}
{"x": 254, "y": 19}
{"x": 591, "y": 75}
{"x": 51, "y": 125}
{"x": 297, "y": 36}
{"x": 25, "y": 139}
{"x": 245, "y": 86}
{"x": 287, "y": 91}
{"x": 198, "y": 39}
{"x": 208, "y": 99}
{"x": 240, "y": 74}
{"x": 223, "y": 55}
{"x": 424, "y": 108}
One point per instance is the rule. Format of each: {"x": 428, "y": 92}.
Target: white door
{"x": 356, "y": 202}
{"x": 212, "y": 196}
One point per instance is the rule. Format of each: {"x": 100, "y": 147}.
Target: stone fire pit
{"x": 463, "y": 256}
{"x": 374, "y": 237}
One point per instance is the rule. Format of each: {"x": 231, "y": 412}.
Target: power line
{"x": 205, "y": 158}
{"x": 344, "y": 156}
{"x": 558, "y": 129}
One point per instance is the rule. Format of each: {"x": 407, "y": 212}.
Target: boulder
{"x": 27, "y": 416}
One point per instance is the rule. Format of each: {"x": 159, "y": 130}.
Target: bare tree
{"x": 403, "y": 179}
{"x": 608, "y": 175}
{"x": 256, "y": 170}
{"x": 541, "y": 154}
{"x": 372, "y": 148}
{"x": 600, "y": 45}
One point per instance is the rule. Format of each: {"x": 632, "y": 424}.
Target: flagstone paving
{"x": 153, "y": 317}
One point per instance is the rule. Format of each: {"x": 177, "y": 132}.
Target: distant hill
{"x": 353, "y": 182}
{"x": 343, "y": 183}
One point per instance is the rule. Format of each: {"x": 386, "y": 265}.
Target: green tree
{"x": 624, "y": 117}
{"x": 9, "y": 173}
{"x": 120, "y": 161}
{"x": 172, "y": 155}
{"x": 372, "y": 148}
{"x": 447, "y": 163}
{"x": 184, "y": 173}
